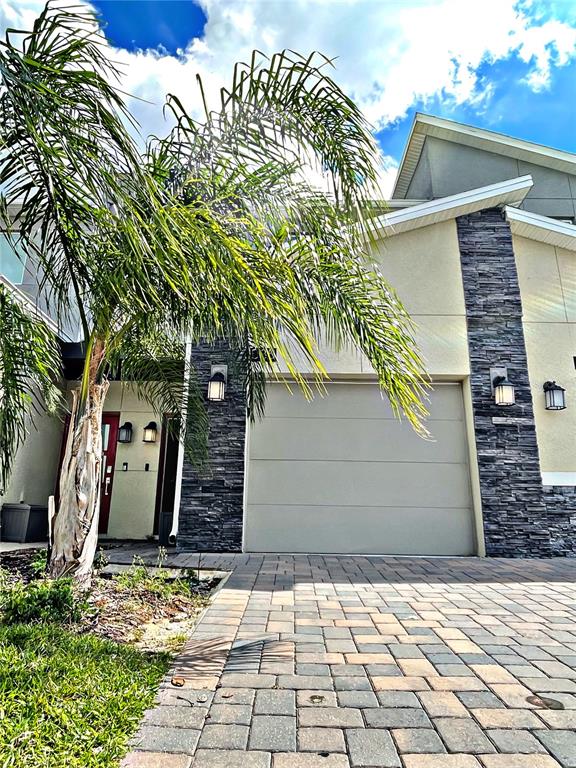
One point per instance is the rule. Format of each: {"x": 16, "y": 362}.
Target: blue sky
{"x": 511, "y": 68}
{"x": 133, "y": 24}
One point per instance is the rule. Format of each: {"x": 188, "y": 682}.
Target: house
{"x": 480, "y": 244}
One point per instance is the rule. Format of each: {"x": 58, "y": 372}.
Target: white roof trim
{"x": 559, "y": 478}
{"x": 541, "y": 228}
{"x": 28, "y": 303}
{"x": 480, "y": 138}
{"x": 434, "y": 211}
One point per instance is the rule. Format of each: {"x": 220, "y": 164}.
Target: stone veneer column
{"x": 515, "y": 516}
{"x": 211, "y": 506}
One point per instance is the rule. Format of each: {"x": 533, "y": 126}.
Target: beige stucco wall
{"x": 33, "y": 475}
{"x": 423, "y": 267}
{"x": 547, "y": 277}
{"x": 134, "y": 490}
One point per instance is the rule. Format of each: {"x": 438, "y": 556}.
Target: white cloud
{"x": 389, "y": 54}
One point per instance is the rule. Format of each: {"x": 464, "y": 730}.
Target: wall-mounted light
{"x": 503, "y": 390}
{"x": 125, "y": 433}
{"x": 150, "y": 433}
{"x": 217, "y": 383}
{"x": 554, "y": 396}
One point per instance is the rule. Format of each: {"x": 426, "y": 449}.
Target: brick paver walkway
{"x": 343, "y": 662}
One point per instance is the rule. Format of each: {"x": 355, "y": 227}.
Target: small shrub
{"x": 136, "y": 576}
{"x": 41, "y": 601}
{"x": 39, "y": 563}
{"x": 101, "y": 560}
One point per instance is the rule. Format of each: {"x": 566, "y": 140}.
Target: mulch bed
{"x": 148, "y": 614}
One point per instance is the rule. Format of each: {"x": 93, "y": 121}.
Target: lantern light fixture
{"x": 125, "y": 433}
{"x": 554, "y": 396}
{"x": 503, "y": 390}
{"x": 217, "y": 383}
{"x": 150, "y": 433}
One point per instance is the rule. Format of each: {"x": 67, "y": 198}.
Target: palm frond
{"x": 29, "y": 371}
{"x": 64, "y": 148}
{"x": 152, "y": 362}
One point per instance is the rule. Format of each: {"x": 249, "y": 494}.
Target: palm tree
{"x": 215, "y": 232}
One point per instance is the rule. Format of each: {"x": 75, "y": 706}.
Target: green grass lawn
{"x": 70, "y": 700}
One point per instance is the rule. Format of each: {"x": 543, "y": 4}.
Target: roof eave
{"x": 541, "y": 228}
{"x": 434, "y": 211}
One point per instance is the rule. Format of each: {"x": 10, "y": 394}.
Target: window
{"x": 12, "y": 261}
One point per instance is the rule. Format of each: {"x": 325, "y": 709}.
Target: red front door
{"x": 110, "y": 422}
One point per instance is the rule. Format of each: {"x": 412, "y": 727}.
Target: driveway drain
{"x": 540, "y": 701}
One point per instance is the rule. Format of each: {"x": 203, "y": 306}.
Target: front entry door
{"x": 110, "y": 423}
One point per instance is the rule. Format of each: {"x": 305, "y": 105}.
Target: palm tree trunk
{"x": 75, "y": 524}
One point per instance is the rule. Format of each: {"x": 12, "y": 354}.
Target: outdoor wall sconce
{"x": 150, "y": 433}
{"x": 217, "y": 383}
{"x": 125, "y": 433}
{"x": 502, "y": 389}
{"x": 554, "y": 396}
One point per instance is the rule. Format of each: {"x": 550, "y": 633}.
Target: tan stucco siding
{"x": 33, "y": 477}
{"x": 547, "y": 277}
{"x": 423, "y": 267}
{"x": 134, "y": 491}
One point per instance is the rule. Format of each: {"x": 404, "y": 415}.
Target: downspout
{"x": 180, "y": 463}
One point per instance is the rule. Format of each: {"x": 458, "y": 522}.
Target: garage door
{"x": 341, "y": 475}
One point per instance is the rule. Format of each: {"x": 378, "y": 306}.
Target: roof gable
{"x": 479, "y": 138}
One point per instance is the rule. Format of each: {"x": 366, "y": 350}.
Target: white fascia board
{"x": 559, "y": 478}
{"x": 28, "y": 304}
{"x": 434, "y": 211}
{"x": 541, "y": 228}
{"x": 480, "y": 138}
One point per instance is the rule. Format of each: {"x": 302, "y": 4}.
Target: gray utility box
{"x": 24, "y": 523}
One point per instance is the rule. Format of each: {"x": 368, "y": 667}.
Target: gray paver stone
{"x": 155, "y": 760}
{"x": 417, "y": 740}
{"x": 273, "y": 733}
{"x": 515, "y": 742}
{"x": 398, "y": 699}
{"x": 463, "y": 735}
{"x": 152, "y": 738}
{"x": 304, "y": 760}
{"x": 275, "y": 703}
{"x": 234, "y": 696}
{"x": 405, "y": 651}
{"x": 480, "y": 700}
{"x": 331, "y": 717}
{"x": 305, "y": 682}
{"x": 230, "y": 714}
{"x": 184, "y": 697}
{"x": 224, "y": 737}
{"x": 313, "y": 669}
{"x": 352, "y": 684}
{"x": 397, "y": 718}
{"x": 321, "y": 740}
{"x": 348, "y": 670}
{"x": 362, "y": 699}
{"x": 561, "y": 744}
{"x": 224, "y": 758}
{"x": 176, "y": 717}
{"x": 237, "y": 680}
{"x": 372, "y": 747}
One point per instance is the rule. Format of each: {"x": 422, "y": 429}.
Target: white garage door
{"x": 341, "y": 475}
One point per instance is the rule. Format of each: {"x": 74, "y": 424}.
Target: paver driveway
{"x": 332, "y": 662}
